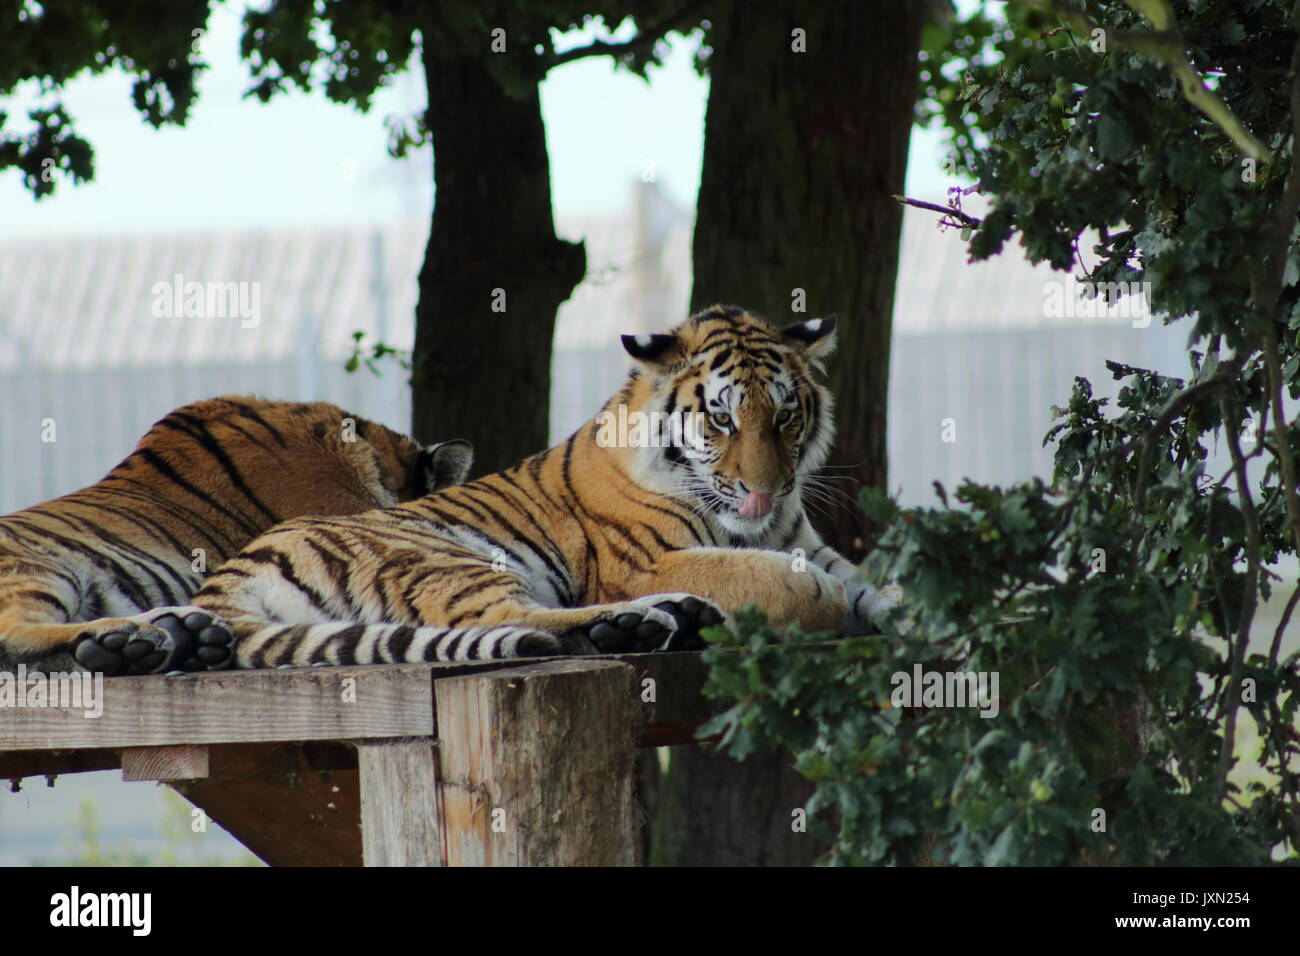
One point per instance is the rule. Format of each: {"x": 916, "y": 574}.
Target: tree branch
{"x": 965, "y": 219}
{"x": 644, "y": 38}
{"x": 1266, "y": 289}
{"x": 1247, "y": 614}
{"x": 1276, "y": 647}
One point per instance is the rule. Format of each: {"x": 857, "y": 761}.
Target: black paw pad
{"x": 102, "y": 654}
{"x": 216, "y": 646}
{"x": 692, "y": 615}
{"x": 629, "y": 631}
{"x": 166, "y": 643}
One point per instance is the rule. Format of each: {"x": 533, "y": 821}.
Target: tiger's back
{"x": 202, "y": 482}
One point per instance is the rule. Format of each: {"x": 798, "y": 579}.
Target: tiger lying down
{"x": 83, "y": 576}
{"x": 599, "y": 544}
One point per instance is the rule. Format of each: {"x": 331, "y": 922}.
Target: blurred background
{"x": 335, "y": 240}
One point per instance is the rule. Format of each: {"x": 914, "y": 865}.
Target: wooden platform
{"x": 502, "y": 763}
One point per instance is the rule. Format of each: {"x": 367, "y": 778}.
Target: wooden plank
{"x": 399, "y": 802}
{"x": 536, "y": 764}
{"x": 233, "y": 760}
{"x": 305, "y": 704}
{"x": 312, "y": 818}
{"x": 34, "y": 763}
{"x": 313, "y": 703}
{"x": 184, "y": 762}
{"x": 225, "y": 760}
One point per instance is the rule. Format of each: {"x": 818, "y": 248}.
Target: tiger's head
{"x": 741, "y": 422}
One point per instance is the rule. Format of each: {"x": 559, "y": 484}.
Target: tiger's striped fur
{"x": 105, "y": 574}
{"x": 592, "y": 545}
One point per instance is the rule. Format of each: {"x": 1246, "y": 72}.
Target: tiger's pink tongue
{"x": 756, "y": 505}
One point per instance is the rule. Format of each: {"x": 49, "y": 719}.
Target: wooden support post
{"x": 399, "y": 802}
{"x": 536, "y": 764}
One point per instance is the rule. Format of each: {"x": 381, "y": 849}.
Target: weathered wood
{"x": 536, "y": 764}
{"x": 274, "y": 756}
{"x": 311, "y": 818}
{"x": 181, "y": 762}
{"x": 237, "y": 706}
{"x": 306, "y": 704}
{"x": 35, "y": 763}
{"x": 225, "y": 760}
{"x": 399, "y": 802}
{"x": 232, "y": 760}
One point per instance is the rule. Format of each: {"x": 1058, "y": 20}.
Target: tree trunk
{"x": 802, "y": 152}
{"x": 494, "y": 272}
{"x": 711, "y": 811}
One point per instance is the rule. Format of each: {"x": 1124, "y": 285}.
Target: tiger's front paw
{"x": 692, "y": 615}
{"x": 869, "y": 605}
{"x": 164, "y": 639}
{"x": 659, "y": 622}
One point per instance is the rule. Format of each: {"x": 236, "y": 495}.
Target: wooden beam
{"x": 312, "y": 818}
{"x": 184, "y": 762}
{"x": 36, "y": 763}
{"x": 225, "y": 760}
{"x": 316, "y": 703}
{"x": 399, "y": 802}
{"x": 312, "y": 703}
{"x": 536, "y": 764}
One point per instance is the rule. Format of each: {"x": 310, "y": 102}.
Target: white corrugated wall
{"x": 80, "y": 344}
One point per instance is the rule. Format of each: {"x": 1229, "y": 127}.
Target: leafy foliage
{"x": 346, "y": 48}
{"x": 371, "y": 354}
{"x": 1115, "y": 602}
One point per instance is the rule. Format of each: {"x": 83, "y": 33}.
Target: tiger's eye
{"x": 784, "y": 417}
{"x": 721, "y": 420}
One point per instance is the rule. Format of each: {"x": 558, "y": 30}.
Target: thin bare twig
{"x": 964, "y": 218}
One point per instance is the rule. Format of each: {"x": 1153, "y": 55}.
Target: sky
{"x": 302, "y": 161}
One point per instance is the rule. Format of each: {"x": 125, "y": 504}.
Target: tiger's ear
{"x": 445, "y": 464}
{"x": 658, "y": 350}
{"x": 817, "y": 336}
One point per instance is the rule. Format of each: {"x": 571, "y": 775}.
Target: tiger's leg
{"x": 36, "y": 611}
{"x": 461, "y": 587}
{"x": 656, "y": 621}
{"x": 732, "y": 578}
{"x": 867, "y": 603}
{"x": 455, "y": 604}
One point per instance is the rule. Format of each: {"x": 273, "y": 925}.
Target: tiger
{"x": 101, "y": 578}
{"x": 601, "y": 544}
